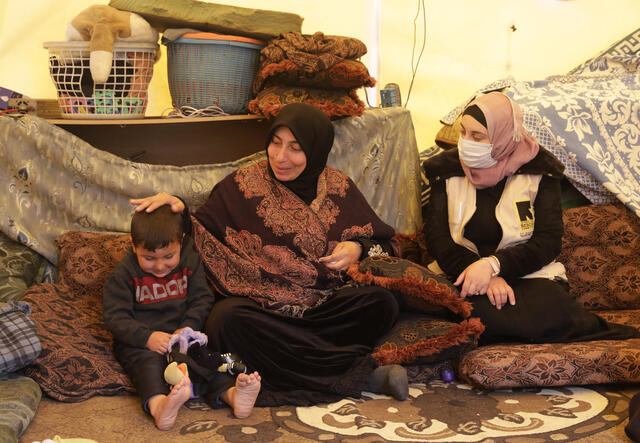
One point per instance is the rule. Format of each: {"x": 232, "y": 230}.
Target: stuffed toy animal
{"x": 174, "y": 372}
{"x": 189, "y": 348}
{"x": 103, "y": 25}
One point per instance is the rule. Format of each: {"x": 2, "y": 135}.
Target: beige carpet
{"x": 434, "y": 412}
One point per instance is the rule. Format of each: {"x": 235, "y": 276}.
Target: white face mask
{"x": 475, "y": 154}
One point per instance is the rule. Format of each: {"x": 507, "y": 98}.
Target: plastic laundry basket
{"x": 123, "y": 95}
{"x": 207, "y": 69}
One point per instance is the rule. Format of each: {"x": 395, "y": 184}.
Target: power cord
{"x": 189, "y": 112}
{"x": 414, "y": 66}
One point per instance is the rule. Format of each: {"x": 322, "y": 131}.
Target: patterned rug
{"x": 434, "y": 412}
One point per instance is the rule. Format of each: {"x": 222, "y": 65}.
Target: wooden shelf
{"x": 174, "y": 141}
{"x": 151, "y": 120}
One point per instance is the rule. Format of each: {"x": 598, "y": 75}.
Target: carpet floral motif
{"x": 436, "y": 411}
{"x": 456, "y": 412}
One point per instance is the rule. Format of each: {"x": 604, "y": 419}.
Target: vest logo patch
{"x": 525, "y": 215}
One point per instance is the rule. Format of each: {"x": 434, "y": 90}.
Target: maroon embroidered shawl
{"x": 259, "y": 240}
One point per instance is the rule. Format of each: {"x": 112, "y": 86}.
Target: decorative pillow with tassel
{"x": 430, "y": 331}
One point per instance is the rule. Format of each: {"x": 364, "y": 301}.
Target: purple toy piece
{"x": 447, "y": 376}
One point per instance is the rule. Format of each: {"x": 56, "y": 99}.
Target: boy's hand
{"x": 158, "y": 342}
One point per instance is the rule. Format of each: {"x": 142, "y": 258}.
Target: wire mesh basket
{"x": 212, "y": 71}
{"x": 123, "y": 95}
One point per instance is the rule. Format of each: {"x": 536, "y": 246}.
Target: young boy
{"x": 155, "y": 291}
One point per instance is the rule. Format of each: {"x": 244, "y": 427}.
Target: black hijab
{"x": 314, "y": 131}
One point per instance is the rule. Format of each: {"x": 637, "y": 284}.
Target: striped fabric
{"x": 425, "y": 187}
{"x": 19, "y": 342}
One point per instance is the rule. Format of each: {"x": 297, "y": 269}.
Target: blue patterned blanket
{"x": 590, "y": 119}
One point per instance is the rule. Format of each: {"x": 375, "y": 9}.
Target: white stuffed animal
{"x": 103, "y": 25}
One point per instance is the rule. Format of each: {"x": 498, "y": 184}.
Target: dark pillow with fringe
{"x": 420, "y": 338}
{"x": 407, "y": 341}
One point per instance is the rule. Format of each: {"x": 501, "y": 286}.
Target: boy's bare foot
{"x": 243, "y": 395}
{"x": 164, "y": 408}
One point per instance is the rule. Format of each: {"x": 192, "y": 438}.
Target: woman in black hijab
{"x": 274, "y": 238}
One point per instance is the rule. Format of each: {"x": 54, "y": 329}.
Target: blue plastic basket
{"x": 203, "y": 73}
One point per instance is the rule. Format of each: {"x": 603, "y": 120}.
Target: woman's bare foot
{"x": 243, "y": 395}
{"x": 164, "y": 408}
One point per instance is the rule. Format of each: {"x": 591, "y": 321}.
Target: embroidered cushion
{"x": 582, "y": 363}
{"x": 87, "y": 258}
{"x": 600, "y": 251}
{"x": 432, "y": 293}
{"x": 418, "y": 338}
{"x": 406, "y": 342}
{"x": 333, "y": 102}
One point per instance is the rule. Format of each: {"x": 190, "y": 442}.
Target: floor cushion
{"x": 77, "y": 360}
{"x": 19, "y": 400}
{"x": 581, "y": 363}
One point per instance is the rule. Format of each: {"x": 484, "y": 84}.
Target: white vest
{"x": 514, "y": 213}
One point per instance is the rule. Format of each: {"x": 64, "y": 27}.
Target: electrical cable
{"x": 189, "y": 112}
{"x": 414, "y": 67}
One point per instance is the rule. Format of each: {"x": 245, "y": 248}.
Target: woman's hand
{"x": 150, "y": 204}
{"x": 158, "y": 342}
{"x": 499, "y": 292}
{"x": 344, "y": 255}
{"x": 475, "y": 278}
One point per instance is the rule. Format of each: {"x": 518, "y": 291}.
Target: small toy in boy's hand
{"x": 447, "y": 376}
{"x": 174, "y": 372}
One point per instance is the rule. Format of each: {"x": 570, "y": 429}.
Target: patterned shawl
{"x": 259, "y": 240}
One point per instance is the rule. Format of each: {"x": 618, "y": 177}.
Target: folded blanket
{"x": 312, "y": 53}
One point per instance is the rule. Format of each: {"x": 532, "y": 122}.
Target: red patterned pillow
{"x": 601, "y": 251}
{"x": 87, "y": 258}
{"x": 345, "y": 74}
{"x": 333, "y": 102}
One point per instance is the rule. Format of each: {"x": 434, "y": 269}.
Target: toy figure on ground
{"x": 155, "y": 293}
